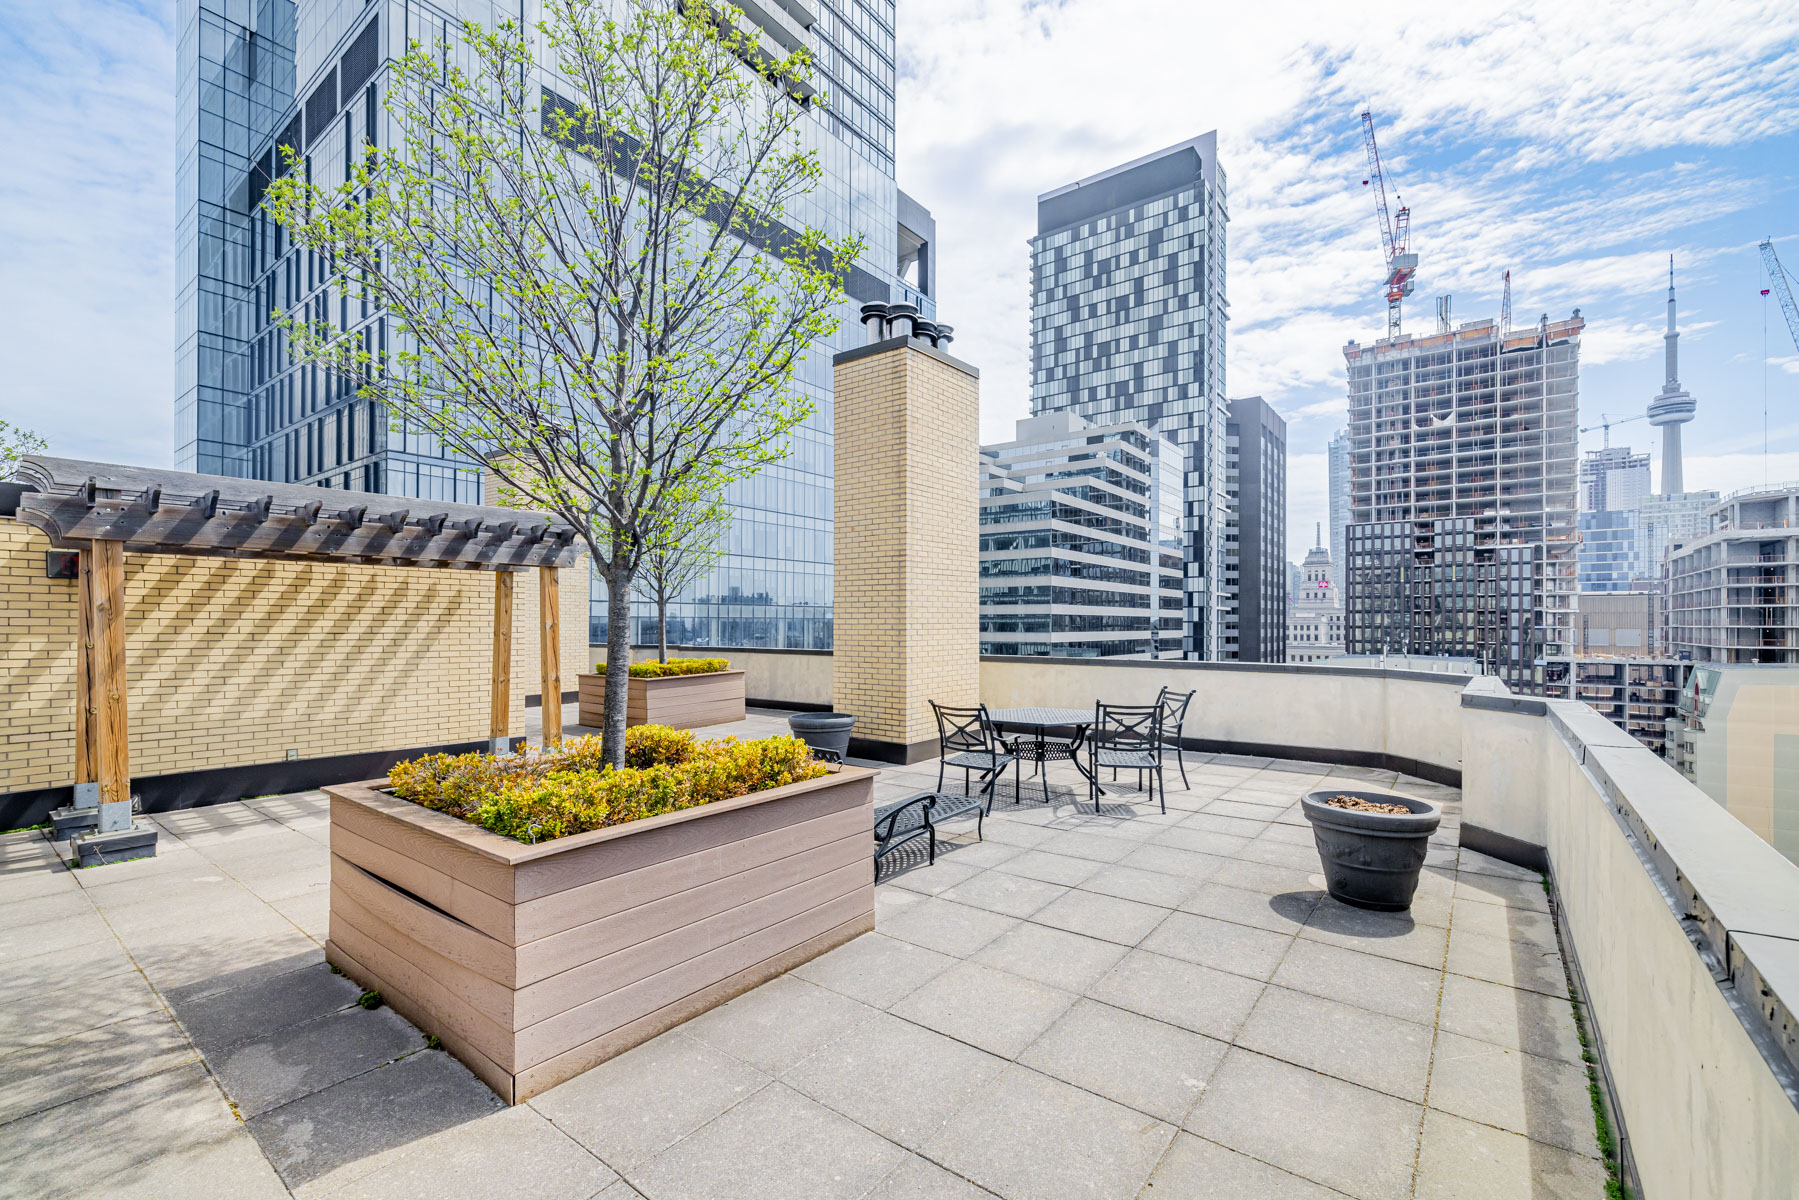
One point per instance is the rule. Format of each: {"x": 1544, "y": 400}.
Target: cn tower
{"x": 1672, "y": 408}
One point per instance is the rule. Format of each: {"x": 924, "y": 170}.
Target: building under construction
{"x": 1463, "y": 467}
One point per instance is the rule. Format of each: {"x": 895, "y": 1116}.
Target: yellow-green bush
{"x": 674, "y": 666}
{"x": 535, "y": 798}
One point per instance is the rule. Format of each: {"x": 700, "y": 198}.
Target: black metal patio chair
{"x": 1127, "y": 737}
{"x": 965, "y": 739}
{"x": 1174, "y": 717}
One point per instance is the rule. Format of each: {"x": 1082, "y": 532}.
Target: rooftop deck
{"x": 1116, "y": 1004}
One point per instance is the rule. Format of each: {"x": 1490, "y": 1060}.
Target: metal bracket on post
{"x": 117, "y": 838}
{"x": 81, "y": 815}
{"x": 87, "y": 795}
{"x": 499, "y": 745}
{"x": 115, "y": 816}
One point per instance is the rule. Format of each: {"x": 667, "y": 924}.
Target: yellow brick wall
{"x": 907, "y": 528}
{"x": 233, "y": 662}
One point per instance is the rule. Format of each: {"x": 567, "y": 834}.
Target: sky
{"x": 1577, "y": 146}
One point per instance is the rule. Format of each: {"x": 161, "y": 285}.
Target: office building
{"x": 1619, "y": 623}
{"x": 1127, "y": 324}
{"x": 1081, "y": 541}
{"x": 1732, "y": 735}
{"x": 1315, "y": 621}
{"x": 1613, "y": 478}
{"x": 1339, "y": 504}
{"x": 1255, "y": 554}
{"x": 1463, "y": 496}
{"x": 1637, "y": 694}
{"x": 313, "y": 74}
{"x": 1733, "y": 592}
{"x": 1613, "y": 551}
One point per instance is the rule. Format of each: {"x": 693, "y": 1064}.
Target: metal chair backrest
{"x": 963, "y": 729}
{"x": 1128, "y": 726}
{"x": 1174, "y": 712}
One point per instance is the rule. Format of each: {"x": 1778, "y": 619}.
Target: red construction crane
{"x": 1395, "y": 233}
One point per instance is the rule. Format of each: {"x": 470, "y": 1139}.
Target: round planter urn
{"x": 824, "y": 731}
{"x": 1371, "y": 859}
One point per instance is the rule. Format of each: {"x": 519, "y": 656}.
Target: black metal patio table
{"x": 1041, "y": 720}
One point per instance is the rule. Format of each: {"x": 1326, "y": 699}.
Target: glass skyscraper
{"x": 1127, "y": 324}
{"x": 311, "y": 74}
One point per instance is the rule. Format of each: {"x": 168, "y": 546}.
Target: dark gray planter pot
{"x": 824, "y": 731}
{"x": 1371, "y": 860}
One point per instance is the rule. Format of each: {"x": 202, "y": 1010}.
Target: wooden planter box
{"x": 534, "y": 963}
{"x": 678, "y": 701}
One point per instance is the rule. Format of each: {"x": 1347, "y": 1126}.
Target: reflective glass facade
{"x": 1255, "y": 542}
{"x": 1127, "y": 324}
{"x": 1613, "y": 555}
{"x": 313, "y": 75}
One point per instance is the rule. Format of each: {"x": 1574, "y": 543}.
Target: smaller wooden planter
{"x": 535, "y": 963}
{"x": 678, "y": 701}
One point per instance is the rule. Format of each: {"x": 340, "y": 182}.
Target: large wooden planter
{"x": 534, "y": 963}
{"x": 678, "y": 701}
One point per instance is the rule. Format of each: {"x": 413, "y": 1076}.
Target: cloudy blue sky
{"x": 1576, "y": 145}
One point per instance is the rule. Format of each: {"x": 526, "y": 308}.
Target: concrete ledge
{"x": 1528, "y": 705}
{"x": 1516, "y": 851}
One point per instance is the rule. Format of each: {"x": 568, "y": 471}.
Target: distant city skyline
{"x": 1579, "y": 171}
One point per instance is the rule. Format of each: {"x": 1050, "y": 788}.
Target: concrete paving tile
{"x": 631, "y": 1108}
{"x": 1281, "y": 854}
{"x": 1147, "y": 1065}
{"x": 1508, "y": 1016}
{"x": 1363, "y": 980}
{"x": 1050, "y": 868}
{"x": 38, "y": 1076}
{"x": 1094, "y": 915}
{"x": 1263, "y": 877}
{"x": 514, "y": 1151}
{"x": 1492, "y": 889}
{"x": 774, "y": 1026}
{"x": 1195, "y": 1169}
{"x": 1083, "y": 844}
{"x": 264, "y": 1006}
{"x": 285, "y": 1064}
{"x": 1224, "y": 945}
{"x": 310, "y": 913}
{"x": 988, "y": 1008}
{"x": 1070, "y": 961}
{"x": 58, "y": 935}
{"x": 1481, "y": 864}
{"x": 1208, "y": 822}
{"x": 920, "y": 1179}
{"x": 1000, "y": 892}
{"x": 931, "y": 878}
{"x": 1165, "y": 860}
{"x": 1292, "y": 835}
{"x": 1512, "y": 924}
{"x": 331, "y": 1138}
{"x": 1193, "y": 997}
{"x": 895, "y": 1077}
{"x": 1135, "y": 883}
{"x": 1284, "y": 913}
{"x": 44, "y": 909}
{"x": 183, "y": 972}
{"x": 876, "y": 969}
{"x": 1461, "y": 1160}
{"x": 1356, "y": 1140}
{"x": 944, "y": 926}
{"x": 36, "y": 1017}
{"x": 1541, "y": 1098}
{"x": 168, "y": 1136}
{"x": 1027, "y": 1135}
{"x": 1514, "y": 964}
{"x": 977, "y": 854}
{"x": 41, "y": 874}
{"x": 1370, "y": 1048}
{"x": 1203, "y": 841}
{"x": 776, "y": 1145}
{"x": 56, "y": 965}
{"x": 1390, "y": 935}
{"x": 1015, "y": 831}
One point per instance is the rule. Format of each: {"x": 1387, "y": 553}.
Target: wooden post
{"x": 499, "y": 721}
{"x": 549, "y": 641}
{"x": 112, "y": 734}
{"x": 86, "y": 768}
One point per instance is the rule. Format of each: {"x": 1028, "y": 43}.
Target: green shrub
{"x": 675, "y": 666}
{"x": 570, "y": 789}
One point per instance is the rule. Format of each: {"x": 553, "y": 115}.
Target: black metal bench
{"x": 918, "y": 816}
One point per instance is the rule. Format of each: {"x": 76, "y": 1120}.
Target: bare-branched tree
{"x": 686, "y": 545}
{"x": 584, "y": 240}
{"x": 16, "y": 443}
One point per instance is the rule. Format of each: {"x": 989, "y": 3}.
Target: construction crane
{"x": 1777, "y": 278}
{"x": 1395, "y": 233}
{"x": 1606, "y": 424}
{"x": 1505, "y": 306}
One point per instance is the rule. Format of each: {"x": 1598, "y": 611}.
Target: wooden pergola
{"x": 105, "y": 511}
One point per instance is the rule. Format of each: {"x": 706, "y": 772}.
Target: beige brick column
{"x": 907, "y": 424}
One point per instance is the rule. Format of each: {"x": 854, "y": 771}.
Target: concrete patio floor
{"x": 1118, "y": 1004}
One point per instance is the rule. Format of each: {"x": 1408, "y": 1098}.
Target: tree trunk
{"x": 618, "y": 666}
{"x": 662, "y": 627}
